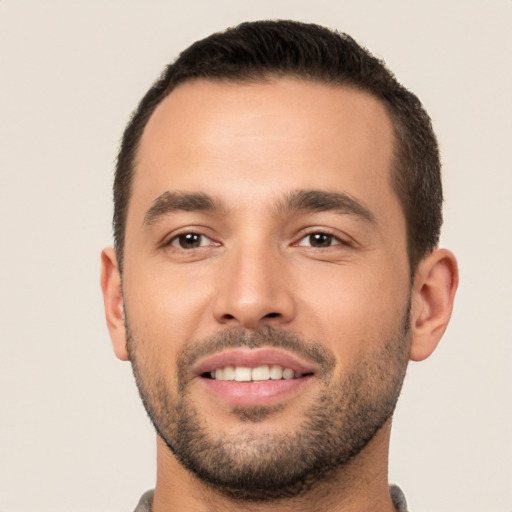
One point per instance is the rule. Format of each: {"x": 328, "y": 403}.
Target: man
{"x": 277, "y": 215}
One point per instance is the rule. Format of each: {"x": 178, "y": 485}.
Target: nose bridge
{"x": 254, "y": 289}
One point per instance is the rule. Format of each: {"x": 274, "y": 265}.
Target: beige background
{"x": 73, "y": 436}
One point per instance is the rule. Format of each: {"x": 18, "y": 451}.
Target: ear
{"x": 435, "y": 284}
{"x": 113, "y": 302}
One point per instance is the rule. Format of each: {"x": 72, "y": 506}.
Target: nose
{"x": 254, "y": 291}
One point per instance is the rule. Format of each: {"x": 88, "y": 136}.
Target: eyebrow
{"x": 296, "y": 201}
{"x": 322, "y": 201}
{"x": 170, "y": 202}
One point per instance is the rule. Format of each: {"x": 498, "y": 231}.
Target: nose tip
{"x": 254, "y": 293}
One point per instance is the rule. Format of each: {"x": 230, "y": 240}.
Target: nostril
{"x": 249, "y": 319}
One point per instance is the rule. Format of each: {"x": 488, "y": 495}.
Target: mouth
{"x": 257, "y": 374}
{"x": 254, "y": 377}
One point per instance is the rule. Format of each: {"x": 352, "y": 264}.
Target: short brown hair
{"x": 257, "y": 51}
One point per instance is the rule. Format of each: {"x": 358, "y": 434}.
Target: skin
{"x": 248, "y": 147}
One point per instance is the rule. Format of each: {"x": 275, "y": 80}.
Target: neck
{"x": 359, "y": 486}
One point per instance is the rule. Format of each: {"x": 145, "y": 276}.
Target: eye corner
{"x": 321, "y": 239}
{"x": 189, "y": 239}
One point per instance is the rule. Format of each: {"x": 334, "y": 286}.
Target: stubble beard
{"x": 347, "y": 413}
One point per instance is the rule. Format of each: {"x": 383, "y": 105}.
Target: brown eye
{"x": 319, "y": 240}
{"x": 190, "y": 241}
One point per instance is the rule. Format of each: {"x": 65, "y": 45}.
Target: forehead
{"x": 225, "y": 137}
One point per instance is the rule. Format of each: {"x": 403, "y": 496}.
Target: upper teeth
{"x": 246, "y": 374}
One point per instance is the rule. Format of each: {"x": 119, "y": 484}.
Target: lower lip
{"x": 255, "y": 393}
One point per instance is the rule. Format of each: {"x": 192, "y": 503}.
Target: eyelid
{"x": 174, "y": 241}
{"x": 341, "y": 238}
{"x": 334, "y": 241}
{"x": 170, "y": 238}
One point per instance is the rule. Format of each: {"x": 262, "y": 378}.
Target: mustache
{"x": 267, "y": 336}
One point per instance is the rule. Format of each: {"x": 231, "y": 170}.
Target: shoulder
{"x": 398, "y": 498}
{"x": 145, "y": 502}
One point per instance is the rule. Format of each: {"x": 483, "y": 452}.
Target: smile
{"x": 254, "y": 377}
{"x": 258, "y": 374}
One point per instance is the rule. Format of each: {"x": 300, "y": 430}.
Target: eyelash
{"x": 332, "y": 240}
{"x": 329, "y": 236}
{"x": 175, "y": 240}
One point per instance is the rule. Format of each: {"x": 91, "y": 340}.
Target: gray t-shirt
{"x": 396, "y": 495}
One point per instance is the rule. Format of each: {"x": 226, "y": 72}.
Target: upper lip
{"x": 253, "y": 358}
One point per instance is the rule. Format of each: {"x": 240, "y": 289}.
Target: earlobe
{"x": 435, "y": 284}
{"x": 113, "y": 302}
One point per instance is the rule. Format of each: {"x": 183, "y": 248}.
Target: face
{"x": 266, "y": 281}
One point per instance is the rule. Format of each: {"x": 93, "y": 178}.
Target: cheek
{"x": 164, "y": 310}
{"x": 355, "y": 312}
